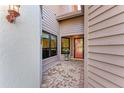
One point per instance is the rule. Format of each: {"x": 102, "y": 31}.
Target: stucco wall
{"x": 20, "y": 48}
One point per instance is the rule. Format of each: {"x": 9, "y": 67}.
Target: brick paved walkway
{"x": 66, "y": 74}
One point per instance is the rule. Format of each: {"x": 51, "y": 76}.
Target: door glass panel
{"x": 78, "y": 48}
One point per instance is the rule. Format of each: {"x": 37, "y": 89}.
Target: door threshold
{"x": 77, "y": 59}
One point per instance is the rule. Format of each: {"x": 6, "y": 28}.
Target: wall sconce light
{"x": 13, "y": 13}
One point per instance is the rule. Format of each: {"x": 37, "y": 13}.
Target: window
{"x": 49, "y": 45}
{"x": 79, "y": 7}
{"x": 65, "y": 44}
{"x": 53, "y": 45}
{"x": 76, "y": 7}
{"x": 45, "y": 45}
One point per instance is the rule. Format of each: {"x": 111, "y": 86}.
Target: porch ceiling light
{"x": 13, "y": 13}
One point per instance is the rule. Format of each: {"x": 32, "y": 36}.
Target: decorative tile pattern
{"x": 66, "y": 74}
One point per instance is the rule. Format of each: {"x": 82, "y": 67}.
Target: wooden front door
{"x": 78, "y": 48}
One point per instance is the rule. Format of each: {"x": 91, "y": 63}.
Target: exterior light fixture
{"x": 13, "y": 13}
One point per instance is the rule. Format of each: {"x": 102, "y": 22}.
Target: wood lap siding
{"x": 50, "y": 24}
{"x": 72, "y": 26}
{"x": 105, "y": 46}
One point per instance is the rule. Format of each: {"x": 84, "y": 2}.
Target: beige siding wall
{"x": 105, "y": 46}
{"x": 72, "y": 26}
{"x": 50, "y": 25}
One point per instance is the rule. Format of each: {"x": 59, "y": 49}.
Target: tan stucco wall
{"x": 20, "y": 48}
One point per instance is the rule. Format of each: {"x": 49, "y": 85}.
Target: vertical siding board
{"x": 86, "y": 31}
{"x": 105, "y": 37}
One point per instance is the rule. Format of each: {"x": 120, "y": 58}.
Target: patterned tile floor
{"x": 66, "y": 74}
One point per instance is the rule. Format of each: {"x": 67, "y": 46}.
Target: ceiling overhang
{"x": 70, "y": 15}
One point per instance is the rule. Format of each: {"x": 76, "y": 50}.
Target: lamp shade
{"x": 13, "y": 13}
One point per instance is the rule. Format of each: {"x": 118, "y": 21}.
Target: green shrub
{"x": 66, "y": 51}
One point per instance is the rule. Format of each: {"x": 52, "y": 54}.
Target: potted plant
{"x": 66, "y": 52}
